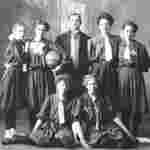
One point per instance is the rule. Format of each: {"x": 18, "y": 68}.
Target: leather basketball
{"x": 53, "y": 58}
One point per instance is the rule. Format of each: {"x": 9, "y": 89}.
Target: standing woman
{"x": 133, "y": 60}
{"x": 12, "y": 82}
{"x": 39, "y": 85}
{"x": 103, "y": 54}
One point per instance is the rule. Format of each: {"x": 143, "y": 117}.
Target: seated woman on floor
{"x": 94, "y": 120}
{"x": 53, "y": 127}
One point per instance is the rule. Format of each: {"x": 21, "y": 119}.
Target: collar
{"x": 42, "y": 40}
{"x": 96, "y": 96}
{"x": 99, "y": 36}
{"x": 18, "y": 40}
{"x": 124, "y": 44}
{"x": 77, "y": 33}
{"x": 65, "y": 101}
{"x": 100, "y": 39}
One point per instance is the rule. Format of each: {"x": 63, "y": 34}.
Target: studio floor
{"x": 22, "y": 126}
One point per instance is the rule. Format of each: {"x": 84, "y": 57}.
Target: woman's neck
{"x": 37, "y": 38}
{"x": 127, "y": 41}
{"x": 93, "y": 96}
{"x": 75, "y": 31}
{"x": 105, "y": 34}
{"x": 61, "y": 96}
{"x": 18, "y": 38}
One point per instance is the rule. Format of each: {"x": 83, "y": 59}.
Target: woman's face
{"x": 39, "y": 30}
{"x": 19, "y": 32}
{"x": 62, "y": 86}
{"x": 104, "y": 26}
{"x": 128, "y": 32}
{"x": 75, "y": 23}
{"x": 92, "y": 86}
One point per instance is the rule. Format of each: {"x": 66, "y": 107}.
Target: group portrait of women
{"x": 78, "y": 90}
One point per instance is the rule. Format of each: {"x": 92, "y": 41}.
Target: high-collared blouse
{"x": 96, "y": 47}
{"x": 139, "y": 58}
{"x": 84, "y": 110}
{"x": 15, "y": 52}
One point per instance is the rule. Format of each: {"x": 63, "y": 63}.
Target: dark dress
{"x": 40, "y": 78}
{"x": 96, "y": 121}
{"x": 12, "y": 81}
{"x": 51, "y": 132}
{"x": 105, "y": 70}
{"x": 63, "y": 43}
{"x": 12, "y": 94}
{"x": 133, "y": 102}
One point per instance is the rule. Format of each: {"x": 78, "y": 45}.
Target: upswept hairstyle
{"x": 42, "y": 22}
{"x": 76, "y": 14}
{"x": 132, "y": 24}
{"x": 107, "y": 16}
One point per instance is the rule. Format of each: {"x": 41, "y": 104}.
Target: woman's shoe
{"x": 9, "y": 137}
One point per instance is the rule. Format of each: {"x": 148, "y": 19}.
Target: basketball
{"x": 53, "y": 58}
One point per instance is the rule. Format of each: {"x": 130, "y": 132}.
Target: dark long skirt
{"x": 12, "y": 92}
{"x": 110, "y": 136}
{"x": 40, "y": 85}
{"x": 107, "y": 77}
{"x": 49, "y": 134}
{"x": 133, "y": 101}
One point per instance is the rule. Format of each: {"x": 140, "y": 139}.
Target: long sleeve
{"x": 66, "y": 63}
{"x": 76, "y": 108}
{"x": 46, "y": 49}
{"x": 144, "y": 59}
{"x": 60, "y": 46}
{"x": 92, "y": 55}
{"x": 45, "y": 109}
{"x": 26, "y": 58}
{"x": 9, "y": 53}
{"x": 91, "y": 51}
{"x": 15, "y": 52}
{"x": 107, "y": 110}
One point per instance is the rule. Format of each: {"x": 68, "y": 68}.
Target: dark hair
{"x": 88, "y": 77}
{"x": 76, "y": 14}
{"x": 42, "y": 22}
{"x": 107, "y": 16}
{"x": 17, "y": 24}
{"x": 132, "y": 24}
